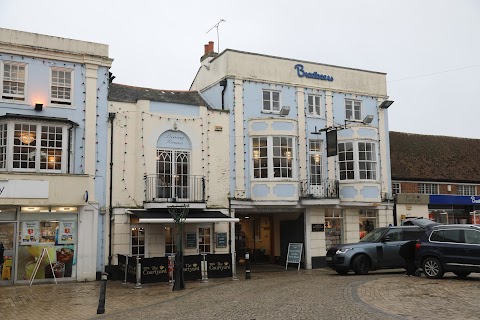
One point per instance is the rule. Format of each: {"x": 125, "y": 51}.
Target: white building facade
{"x": 170, "y": 149}
{"x": 283, "y": 186}
{"x": 53, "y": 114}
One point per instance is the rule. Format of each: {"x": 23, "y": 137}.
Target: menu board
{"x": 191, "y": 242}
{"x": 66, "y": 232}
{"x": 30, "y": 232}
{"x": 221, "y": 240}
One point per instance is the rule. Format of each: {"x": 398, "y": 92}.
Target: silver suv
{"x": 377, "y": 250}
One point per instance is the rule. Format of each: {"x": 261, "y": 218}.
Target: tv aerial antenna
{"x": 218, "y": 36}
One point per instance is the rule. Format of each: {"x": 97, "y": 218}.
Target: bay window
{"x": 357, "y": 160}
{"x": 33, "y": 146}
{"x": 273, "y": 157}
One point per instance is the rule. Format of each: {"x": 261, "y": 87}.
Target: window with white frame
{"x": 271, "y": 100}
{"x": 314, "y": 105}
{"x": 396, "y": 188}
{"x": 169, "y": 240}
{"x": 316, "y": 160}
{"x": 61, "y": 86}
{"x": 173, "y": 172}
{"x": 357, "y": 160}
{"x": 466, "y": 190}
{"x": 14, "y": 80}
{"x": 367, "y": 161}
{"x": 33, "y": 146}
{"x": 428, "y": 188}
{"x": 273, "y": 157}
{"x": 204, "y": 239}
{"x": 138, "y": 242}
{"x": 346, "y": 160}
{"x": 353, "y": 109}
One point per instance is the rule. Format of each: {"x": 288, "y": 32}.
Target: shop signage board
{"x": 27, "y": 189}
{"x": 454, "y": 199}
{"x": 219, "y": 265}
{"x": 154, "y": 270}
{"x": 221, "y": 240}
{"x": 191, "y": 267}
{"x": 294, "y": 254}
{"x": 318, "y": 227}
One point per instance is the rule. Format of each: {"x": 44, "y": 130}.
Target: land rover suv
{"x": 377, "y": 250}
{"x": 449, "y": 248}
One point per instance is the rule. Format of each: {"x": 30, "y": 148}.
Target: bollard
{"x": 247, "y": 266}
{"x": 126, "y": 267}
{"x": 103, "y": 289}
{"x": 204, "y": 268}
{"x": 138, "y": 285}
{"x": 171, "y": 266}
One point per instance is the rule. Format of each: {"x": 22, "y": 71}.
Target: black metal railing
{"x": 174, "y": 188}
{"x": 319, "y": 189}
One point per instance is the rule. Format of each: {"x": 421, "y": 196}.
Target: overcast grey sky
{"x": 430, "y": 49}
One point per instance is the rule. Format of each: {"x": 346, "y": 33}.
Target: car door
{"x": 391, "y": 242}
{"x": 472, "y": 248}
{"x": 450, "y": 247}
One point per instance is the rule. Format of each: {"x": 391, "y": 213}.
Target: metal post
{"x": 138, "y": 285}
{"x": 247, "y": 266}
{"x": 204, "y": 268}
{"x": 126, "y": 267}
{"x": 103, "y": 289}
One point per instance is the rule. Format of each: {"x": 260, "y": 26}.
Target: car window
{"x": 472, "y": 236}
{"x": 411, "y": 234}
{"x": 395, "y": 234}
{"x": 373, "y": 236}
{"x": 447, "y": 236}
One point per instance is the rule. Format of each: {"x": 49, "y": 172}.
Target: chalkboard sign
{"x": 222, "y": 240}
{"x": 318, "y": 227}
{"x": 191, "y": 242}
{"x": 294, "y": 254}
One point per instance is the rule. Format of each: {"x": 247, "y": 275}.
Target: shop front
{"x": 454, "y": 209}
{"x": 46, "y": 246}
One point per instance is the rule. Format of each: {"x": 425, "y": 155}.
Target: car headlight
{"x": 343, "y": 250}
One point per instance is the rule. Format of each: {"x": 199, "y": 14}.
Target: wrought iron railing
{"x": 319, "y": 189}
{"x": 174, "y": 188}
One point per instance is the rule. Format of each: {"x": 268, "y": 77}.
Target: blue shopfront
{"x": 454, "y": 209}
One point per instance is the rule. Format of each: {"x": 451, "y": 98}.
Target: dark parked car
{"x": 449, "y": 248}
{"x": 377, "y": 250}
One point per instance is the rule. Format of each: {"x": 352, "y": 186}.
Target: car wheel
{"x": 432, "y": 268}
{"x": 361, "y": 264}
{"x": 342, "y": 272}
{"x": 461, "y": 274}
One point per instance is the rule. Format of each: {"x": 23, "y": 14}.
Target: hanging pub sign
{"x": 331, "y": 143}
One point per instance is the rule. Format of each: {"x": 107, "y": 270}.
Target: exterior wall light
{"x": 38, "y": 106}
{"x": 385, "y": 104}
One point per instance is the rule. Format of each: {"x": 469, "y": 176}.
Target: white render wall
{"x": 136, "y": 131}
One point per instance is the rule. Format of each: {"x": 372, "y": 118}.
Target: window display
{"x": 58, "y": 237}
{"x": 367, "y": 222}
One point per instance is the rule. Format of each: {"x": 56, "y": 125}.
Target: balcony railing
{"x": 319, "y": 189}
{"x": 174, "y": 188}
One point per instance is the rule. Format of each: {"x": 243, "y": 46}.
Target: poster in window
{"x": 331, "y": 143}
{"x": 30, "y": 232}
{"x": 191, "y": 242}
{"x": 66, "y": 232}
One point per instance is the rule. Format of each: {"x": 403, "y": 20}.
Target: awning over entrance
{"x": 161, "y": 215}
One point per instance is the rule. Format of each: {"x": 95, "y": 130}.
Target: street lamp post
{"x": 179, "y": 214}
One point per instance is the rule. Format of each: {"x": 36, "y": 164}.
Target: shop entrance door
{"x": 7, "y": 232}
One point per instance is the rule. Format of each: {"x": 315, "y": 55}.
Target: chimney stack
{"x": 209, "y": 51}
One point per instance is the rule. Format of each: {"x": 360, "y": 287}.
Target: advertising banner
{"x": 219, "y": 265}
{"x": 191, "y": 267}
{"x": 154, "y": 270}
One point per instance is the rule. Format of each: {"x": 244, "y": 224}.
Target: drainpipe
{"x": 223, "y": 84}
{"x": 111, "y": 117}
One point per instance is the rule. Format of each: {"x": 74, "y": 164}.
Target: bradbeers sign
{"x": 312, "y": 75}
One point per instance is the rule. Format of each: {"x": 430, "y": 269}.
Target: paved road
{"x": 307, "y": 294}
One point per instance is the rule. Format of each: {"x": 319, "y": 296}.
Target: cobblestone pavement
{"x": 292, "y": 294}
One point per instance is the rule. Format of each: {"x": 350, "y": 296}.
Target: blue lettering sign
{"x": 312, "y": 75}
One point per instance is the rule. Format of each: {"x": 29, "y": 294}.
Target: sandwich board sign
{"x": 294, "y": 254}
